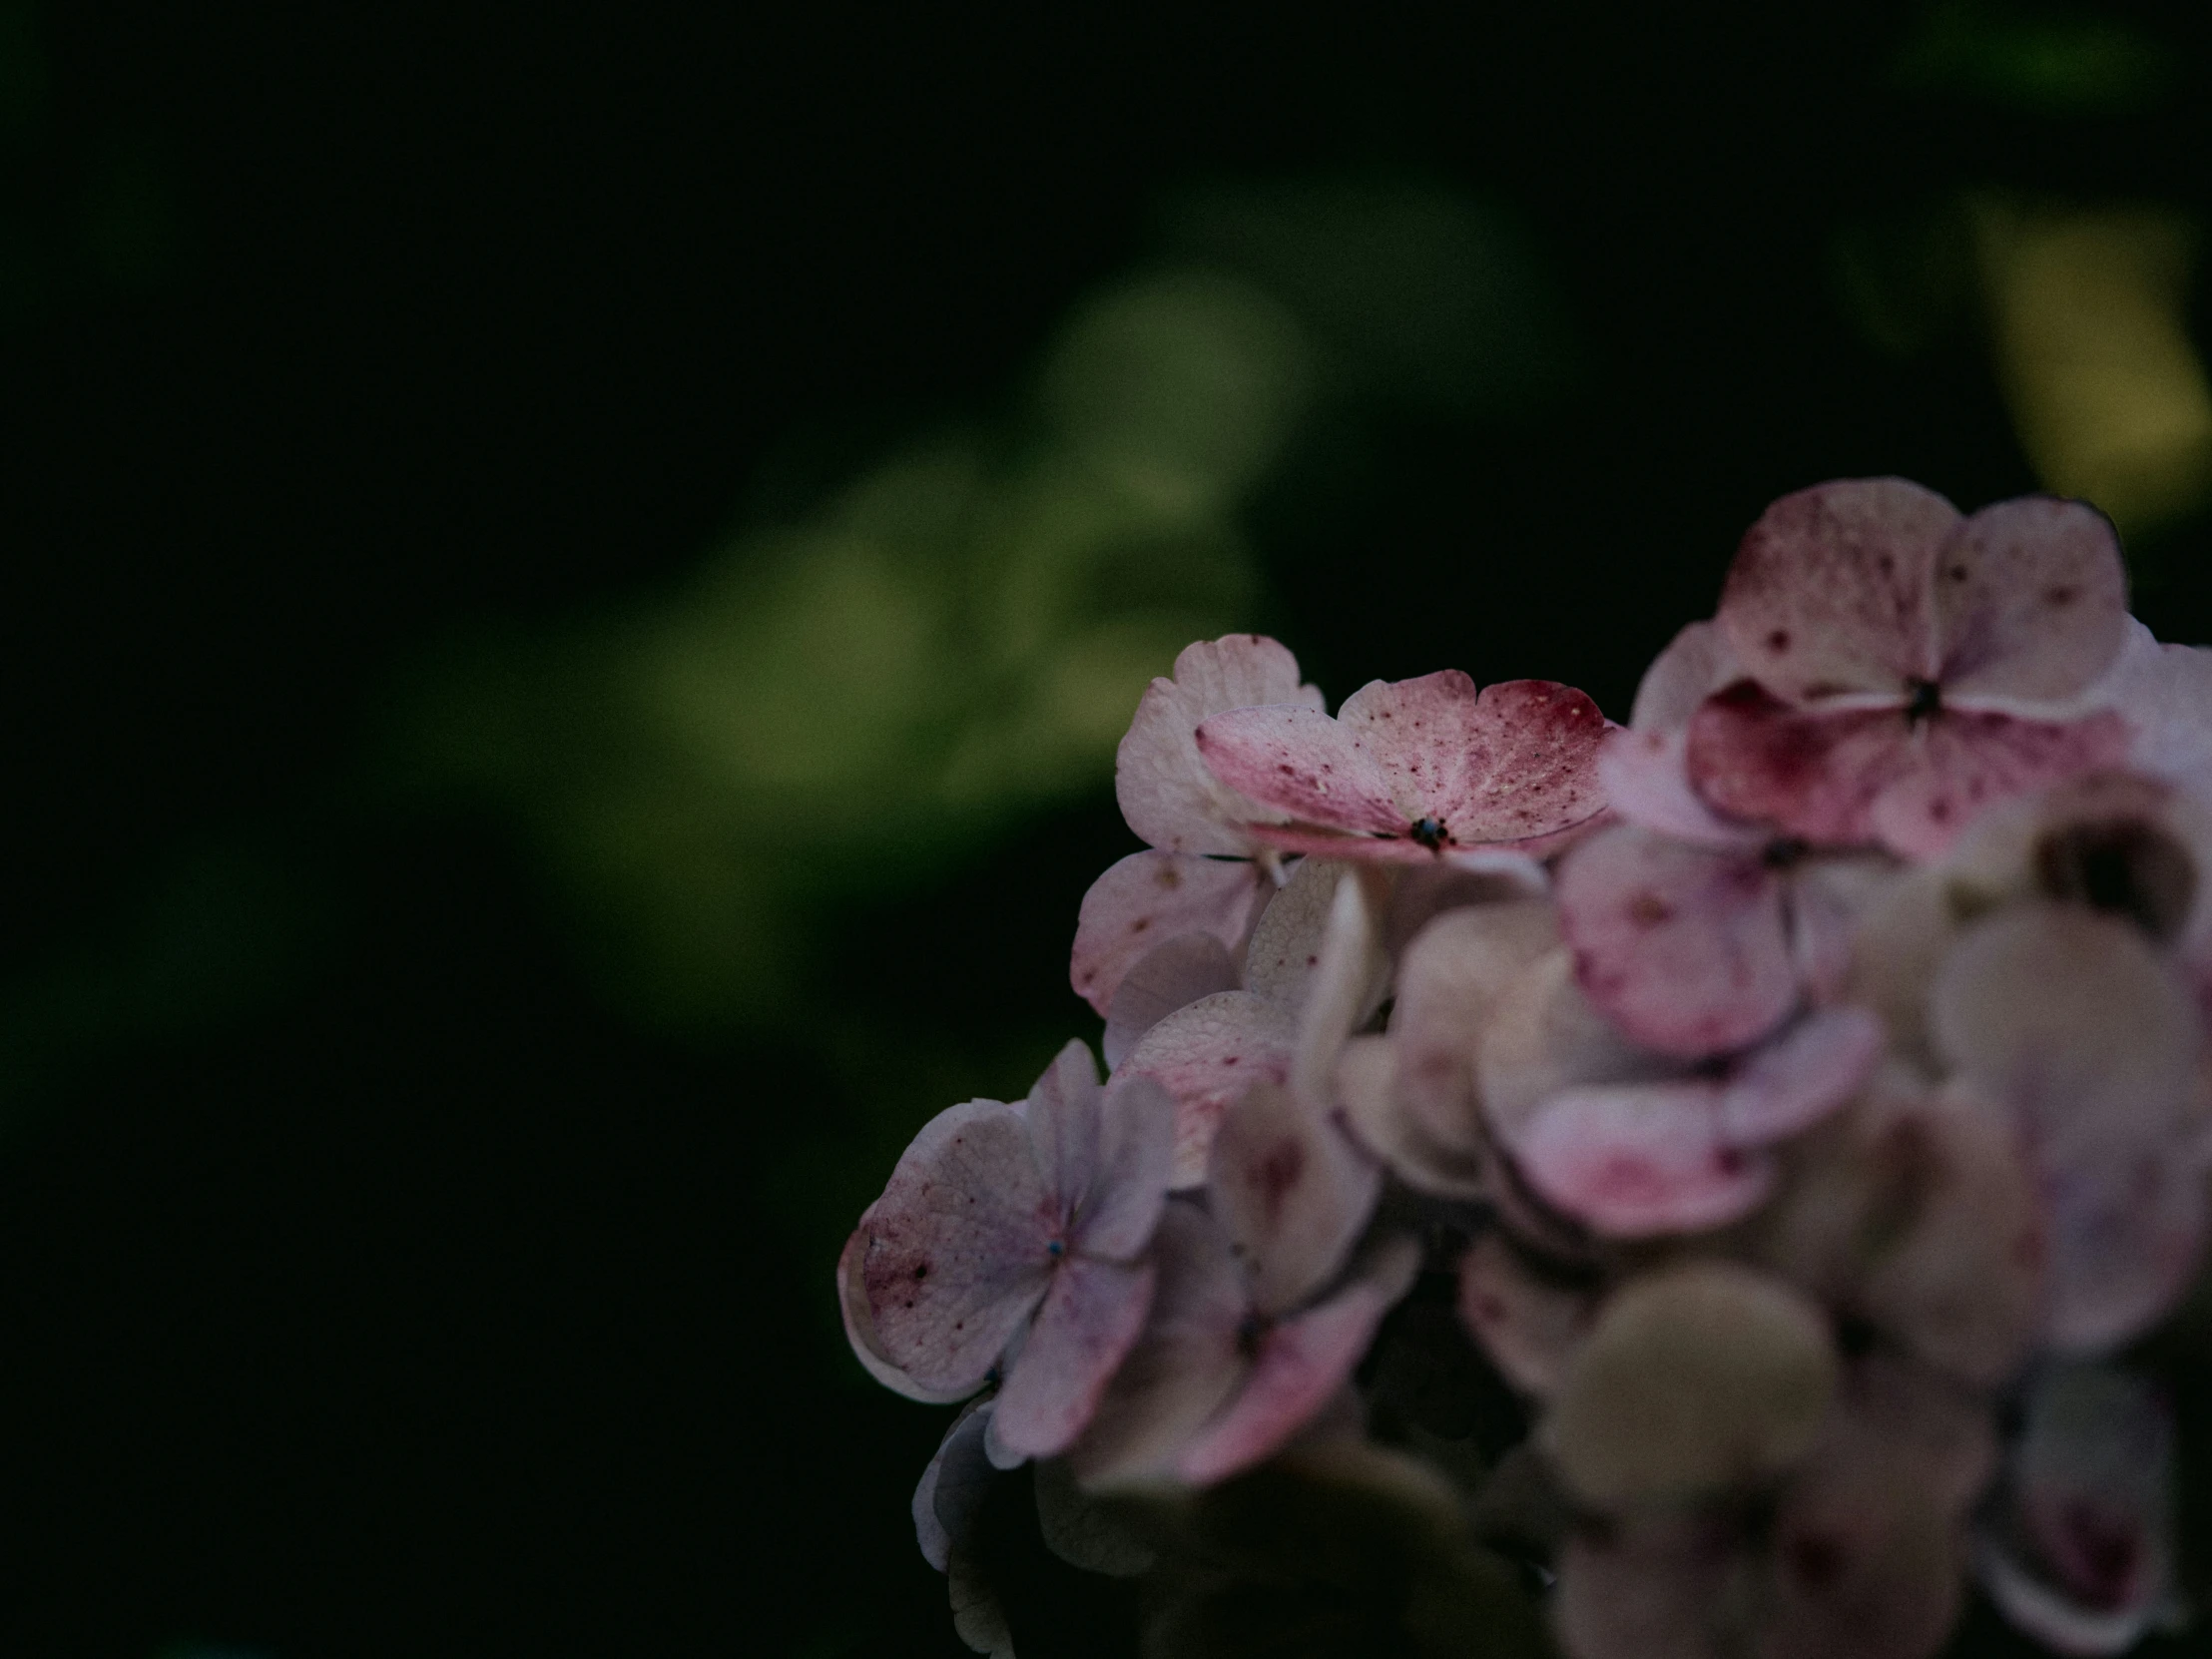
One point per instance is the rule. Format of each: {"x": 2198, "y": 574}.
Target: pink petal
{"x": 1205, "y": 1056}
{"x": 1286, "y": 944}
{"x": 1829, "y": 593}
{"x": 956, "y": 1254}
{"x": 1681, "y": 946}
{"x": 2164, "y": 691}
{"x": 1062, "y": 1112}
{"x": 1366, "y": 1084}
{"x": 1804, "y": 1074}
{"x": 1945, "y": 1432}
{"x": 1186, "y": 1364}
{"x": 1300, "y": 1365}
{"x": 2083, "y": 1556}
{"x": 1864, "y": 1561}
{"x": 1529, "y": 1327}
{"x": 1514, "y": 762}
{"x": 1542, "y": 1038}
{"x": 1089, "y": 1322}
{"x": 1172, "y": 974}
{"x": 1860, "y": 776}
{"x": 2128, "y": 1234}
{"x": 1114, "y": 1216}
{"x": 1301, "y": 764}
{"x": 1167, "y": 792}
{"x": 1149, "y": 898}
{"x": 1696, "y": 663}
{"x": 1646, "y": 779}
{"x": 2030, "y": 601}
{"x": 1293, "y": 1192}
{"x": 860, "y": 1328}
{"x": 1414, "y": 767}
{"x": 1635, "y": 1161}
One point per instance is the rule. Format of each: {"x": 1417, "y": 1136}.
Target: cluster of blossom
{"x": 1800, "y": 1093}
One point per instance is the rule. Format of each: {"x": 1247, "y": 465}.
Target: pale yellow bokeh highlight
{"x": 2107, "y": 393}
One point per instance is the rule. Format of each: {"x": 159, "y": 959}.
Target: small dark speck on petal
{"x": 1779, "y": 641}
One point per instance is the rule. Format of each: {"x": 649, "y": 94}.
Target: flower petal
{"x": 1185, "y": 1365}
{"x": 1149, "y": 898}
{"x": 1511, "y": 763}
{"x": 1167, "y": 792}
{"x": 952, "y": 1489}
{"x": 1416, "y": 767}
{"x": 1632, "y": 1161}
{"x": 2068, "y": 1019}
{"x": 1293, "y": 1191}
{"x": 2127, "y": 1231}
{"x": 1285, "y": 942}
{"x": 1830, "y": 591}
{"x": 860, "y": 1328}
{"x": 2082, "y": 1555}
{"x": 1682, "y": 946}
{"x": 1449, "y": 982}
{"x": 1529, "y": 1327}
{"x": 1205, "y": 1056}
{"x": 1303, "y": 765}
{"x": 1646, "y": 779}
{"x": 1805, "y": 1073}
{"x": 1855, "y": 777}
{"x": 1113, "y": 1218}
{"x": 1062, "y": 1113}
{"x": 1173, "y": 975}
{"x": 2030, "y": 601}
{"x": 1089, "y": 1320}
{"x": 1299, "y": 1368}
{"x": 1694, "y": 1380}
{"x": 957, "y": 1252}
{"x": 1348, "y": 985}
{"x": 1543, "y": 1036}
{"x": 1696, "y": 663}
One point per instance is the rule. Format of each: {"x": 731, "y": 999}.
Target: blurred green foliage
{"x": 879, "y": 689}
{"x": 2048, "y": 60}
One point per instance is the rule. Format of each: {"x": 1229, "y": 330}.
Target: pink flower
{"x": 1695, "y": 949}
{"x": 1907, "y": 667}
{"x": 1257, "y": 1323}
{"x": 1208, "y": 872}
{"x": 1007, "y": 1224}
{"x": 1416, "y": 769}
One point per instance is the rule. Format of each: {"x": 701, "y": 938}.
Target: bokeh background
{"x": 569, "y": 576}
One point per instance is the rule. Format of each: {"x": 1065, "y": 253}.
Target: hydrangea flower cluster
{"x": 1672, "y": 1191}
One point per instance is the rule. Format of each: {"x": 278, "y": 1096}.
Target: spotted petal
{"x": 1685, "y": 947}
{"x": 1633, "y": 1161}
{"x": 1293, "y": 1191}
{"x": 1857, "y": 777}
{"x": 957, "y": 1253}
{"x": 1205, "y": 1056}
{"x": 1829, "y": 593}
{"x": 1149, "y": 898}
{"x": 2031, "y": 602}
{"x": 1167, "y": 794}
{"x": 1414, "y": 767}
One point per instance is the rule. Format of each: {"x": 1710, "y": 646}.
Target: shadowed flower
{"x": 1003, "y": 1225}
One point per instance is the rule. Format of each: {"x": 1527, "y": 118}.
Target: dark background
{"x": 369, "y": 1283}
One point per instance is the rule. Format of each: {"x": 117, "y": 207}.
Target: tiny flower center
{"x": 1056, "y": 1249}
{"x": 1924, "y": 701}
{"x": 1429, "y": 832}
